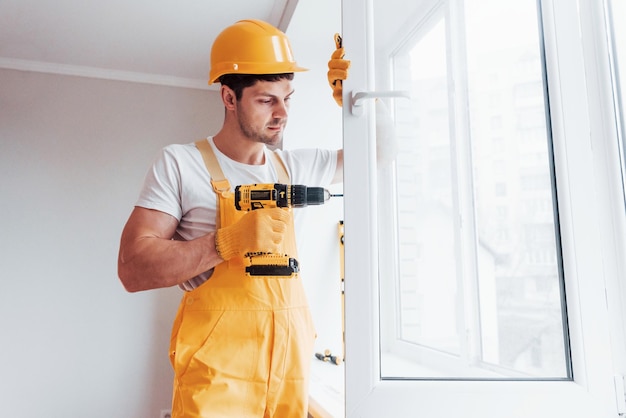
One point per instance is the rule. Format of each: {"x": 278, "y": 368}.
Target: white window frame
{"x": 592, "y": 230}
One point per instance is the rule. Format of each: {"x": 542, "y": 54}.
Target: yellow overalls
{"x": 241, "y": 346}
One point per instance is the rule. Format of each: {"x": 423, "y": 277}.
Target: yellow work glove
{"x": 258, "y": 231}
{"x": 338, "y": 70}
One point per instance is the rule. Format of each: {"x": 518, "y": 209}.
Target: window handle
{"x": 358, "y": 97}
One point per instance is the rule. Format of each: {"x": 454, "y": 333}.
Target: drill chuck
{"x": 302, "y": 196}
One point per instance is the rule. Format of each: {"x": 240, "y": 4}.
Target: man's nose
{"x": 281, "y": 109}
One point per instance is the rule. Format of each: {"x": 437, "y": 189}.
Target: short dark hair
{"x": 238, "y": 82}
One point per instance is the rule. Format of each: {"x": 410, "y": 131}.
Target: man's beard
{"x": 256, "y": 136}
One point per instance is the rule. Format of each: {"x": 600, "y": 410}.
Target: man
{"x": 241, "y": 346}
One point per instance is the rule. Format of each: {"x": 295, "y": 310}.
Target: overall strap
{"x": 279, "y": 166}
{"x": 218, "y": 180}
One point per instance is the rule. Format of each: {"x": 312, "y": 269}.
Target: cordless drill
{"x": 259, "y": 196}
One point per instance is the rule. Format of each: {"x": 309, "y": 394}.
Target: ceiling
{"x": 154, "y": 41}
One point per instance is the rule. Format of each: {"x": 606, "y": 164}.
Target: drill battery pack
{"x": 272, "y": 265}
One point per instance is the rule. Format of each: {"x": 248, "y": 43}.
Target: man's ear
{"x": 228, "y": 97}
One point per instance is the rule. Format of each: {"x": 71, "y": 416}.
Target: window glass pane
{"x": 426, "y": 230}
{"x": 477, "y": 289}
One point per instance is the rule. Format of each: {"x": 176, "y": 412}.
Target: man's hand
{"x": 258, "y": 231}
{"x": 338, "y": 71}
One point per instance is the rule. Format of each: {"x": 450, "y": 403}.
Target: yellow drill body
{"x": 274, "y": 195}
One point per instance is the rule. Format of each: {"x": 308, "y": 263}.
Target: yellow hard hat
{"x": 251, "y": 47}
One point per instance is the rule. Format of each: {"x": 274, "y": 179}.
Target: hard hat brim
{"x": 253, "y": 70}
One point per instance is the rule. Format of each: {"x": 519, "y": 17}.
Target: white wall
{"x": 73, "y": 153}
{"x": 315, "y": 121}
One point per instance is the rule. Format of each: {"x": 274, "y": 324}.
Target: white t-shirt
{"x": 179, "y": 184}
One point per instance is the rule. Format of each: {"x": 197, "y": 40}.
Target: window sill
{"x": 326, "y": 390}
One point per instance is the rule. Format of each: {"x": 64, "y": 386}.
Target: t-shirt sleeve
{"x": 311, "y": 167}
{"x": 162, "y": 185}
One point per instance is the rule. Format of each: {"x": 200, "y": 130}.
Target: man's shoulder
{"x": 179, "y": 150}
{"x": 299, "y": 154}
{"x": 181, "y": 147}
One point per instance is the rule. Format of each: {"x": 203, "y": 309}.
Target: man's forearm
{"x": 153, "y": 262}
